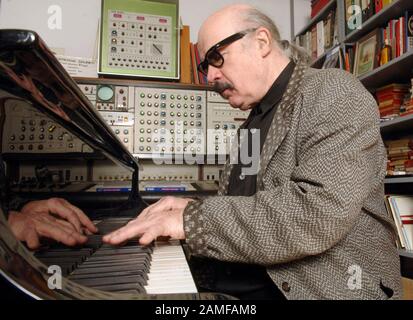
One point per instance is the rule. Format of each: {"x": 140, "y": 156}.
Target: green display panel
{"x": 140, "y": 38}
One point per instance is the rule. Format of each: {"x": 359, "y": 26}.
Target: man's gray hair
{"x": 255, "y": 18}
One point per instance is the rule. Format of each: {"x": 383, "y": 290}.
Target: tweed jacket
{"x": 317, "y": 221}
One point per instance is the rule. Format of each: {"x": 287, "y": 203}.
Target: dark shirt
{"x": 258, "y": 123}
{"x": 246, "y": 281}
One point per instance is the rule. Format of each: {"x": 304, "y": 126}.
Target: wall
{"x": 302, "y": 14}
{"x": 194, "y": 12}
{"x": 80, "y": 19}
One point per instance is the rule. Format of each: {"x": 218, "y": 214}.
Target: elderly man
{"x": 311, "y": 224}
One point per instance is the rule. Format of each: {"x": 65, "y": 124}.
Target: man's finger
{"x": 125, "y": 233}
{"x": 150, "y": 235}
{"x": 82, "y": 217}
{"x": 56, "y": 206}
{"x": 58, "y": 233}
{"x": 32, "y": 238}
{"x": 68, "y": 228}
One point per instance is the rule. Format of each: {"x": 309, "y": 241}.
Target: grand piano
{"x": 32, "y": 82}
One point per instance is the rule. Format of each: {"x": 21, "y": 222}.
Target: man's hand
{"x": 53, "y": 218}
{"x": 163, "y": 218}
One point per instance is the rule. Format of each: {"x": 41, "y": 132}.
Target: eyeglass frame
{"x": 227, "y": 41}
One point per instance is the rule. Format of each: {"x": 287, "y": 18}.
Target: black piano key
{"x": 64, "y": 253}
{"x": 110, "y": 281}
{"x": 113, "y": 263}
{"x": 140, "y": 265}
{"x": 122, "y": 287}
{"x": 117, "y": 257}
{"x": 57, "y": 260}
{"x": 112, "y": 274}
{"x": 116, "y": 251}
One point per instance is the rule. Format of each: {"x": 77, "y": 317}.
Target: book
{"x": 332, "y": 59}
{"x": 403, "y": 208}
{"x": 400, "y": 241}
{"x": 193, "y": 64}
{"x": 409, "y": 30}
{"x": 185, "y": 58}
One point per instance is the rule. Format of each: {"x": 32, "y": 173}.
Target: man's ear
{"x": 265, "y": 41}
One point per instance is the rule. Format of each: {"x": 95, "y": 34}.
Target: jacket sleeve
{"x": 340, "y": 156}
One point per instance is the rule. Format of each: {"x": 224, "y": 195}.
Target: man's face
{"x": 236, "y": 78}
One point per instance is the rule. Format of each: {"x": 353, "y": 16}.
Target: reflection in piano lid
{"x": 31, "y": 75}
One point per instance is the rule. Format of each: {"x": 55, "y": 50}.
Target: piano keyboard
{"x": 160, "y": 268}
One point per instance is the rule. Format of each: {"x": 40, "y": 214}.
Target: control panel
{"x": 106, "y": 170}
{"x": 26, "y": 130}
{"x": 169, "y": 121}
{"x": 139, "y": 38}
{"x": 113, "y": 103}
{"x": 212, "y": 172}
{"x": 223, "y": 122}
{"x": 57, "y": 171}
{"x": 170, "y": 172}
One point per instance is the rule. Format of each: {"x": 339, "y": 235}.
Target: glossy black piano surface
{"x": 30, "y": 76}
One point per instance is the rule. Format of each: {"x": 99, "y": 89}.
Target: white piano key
{"x": 169, "y": 271}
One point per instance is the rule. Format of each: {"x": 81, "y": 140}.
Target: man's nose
{"x": 214, "y": 73}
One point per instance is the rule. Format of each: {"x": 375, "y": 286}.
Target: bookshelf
{"x": 397, "y": 126}
{"x": 398, "y": 70}
{"x": 321, "y": 15}
{"x": 398, "y": 180}
{"x": 379, "y": 19}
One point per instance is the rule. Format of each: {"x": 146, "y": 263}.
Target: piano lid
{"x": 29, "y": 70}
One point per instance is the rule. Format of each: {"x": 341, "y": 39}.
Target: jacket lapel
{"x": 277, "y": 132}
{"x": 280, "y": 124}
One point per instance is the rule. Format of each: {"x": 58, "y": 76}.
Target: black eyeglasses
{"x": 214, "y": 58}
